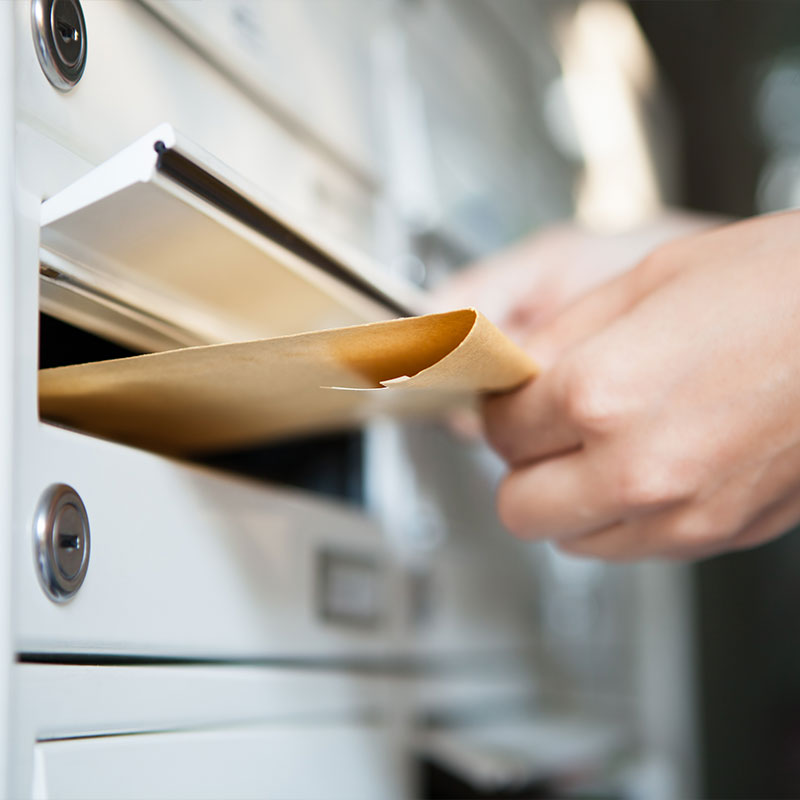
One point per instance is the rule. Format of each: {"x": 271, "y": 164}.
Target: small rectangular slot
{"x": 68, "y": 541}
{"x": 62, "y": 344}
{"x": 329, "y": 465}
{"x": 350, "y": 589}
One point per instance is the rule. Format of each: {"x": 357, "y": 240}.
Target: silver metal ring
{"x": 62, "y": 542}
{"x": 63, "y": 73}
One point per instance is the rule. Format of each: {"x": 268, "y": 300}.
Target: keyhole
{"x": 61, "y": 534}
{"x": 67, "y": 33}
{"x": 69, "y": 541}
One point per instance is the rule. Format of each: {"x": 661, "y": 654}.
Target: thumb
{"x": 598, "y": 308}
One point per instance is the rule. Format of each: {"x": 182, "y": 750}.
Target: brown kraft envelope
{"x": 223, "y": 396}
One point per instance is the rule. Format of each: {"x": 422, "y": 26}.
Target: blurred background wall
{"x": 732, "y": 73}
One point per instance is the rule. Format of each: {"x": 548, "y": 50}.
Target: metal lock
{"x": 61, "y": 542}
{"x": 59, "y": 36}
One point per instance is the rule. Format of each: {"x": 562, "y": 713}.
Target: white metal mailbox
{"x": 183, "y": 172}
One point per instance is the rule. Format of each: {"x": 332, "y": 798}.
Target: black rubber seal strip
{"x": 393, "y": 664}
{"x": 195, "y": 179}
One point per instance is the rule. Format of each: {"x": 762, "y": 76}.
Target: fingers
{"x": 571, "y": 435}
{"x": 774, "y": 522}
{"x": 528, "y": 424}
{"x": 685, "y": 533}
{"x": 559, "y": 498}
{"x": 634, "y": 540}
{"x": 682, "y": 529}
{"x": 580, "y": 400}
{"x": 576, "y": 396}
{"x": 618, "y": 542}
{"x": 595, "y": 310}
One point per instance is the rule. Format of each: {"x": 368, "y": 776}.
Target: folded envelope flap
{"x": 204, "y": 398}
{"x": 486, "y": 360}
{"x": 384, "y": 352}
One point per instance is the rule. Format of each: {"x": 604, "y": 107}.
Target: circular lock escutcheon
{"x": 61, "y": 542}
{"x": 59, "y": 36}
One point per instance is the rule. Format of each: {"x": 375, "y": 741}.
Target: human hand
{"x": 525, "y": 286}
{"x": 667, "y": 419}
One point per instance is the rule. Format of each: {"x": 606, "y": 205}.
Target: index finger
{"x": 529, "y": 423}
{"x": 559, "y": 498}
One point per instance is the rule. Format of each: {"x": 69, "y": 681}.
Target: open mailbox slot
{"x": 279, "y": 317}
{"x": 161, "y": 247}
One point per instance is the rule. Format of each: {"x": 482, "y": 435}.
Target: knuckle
{"x": 697, "y": 528}
{"x": 658, "y": 264}
{"x": 590, "y": 399}
{"x": 648, "y": 482}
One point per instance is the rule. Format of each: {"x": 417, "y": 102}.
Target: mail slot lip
{"x": 186, "y": 213}
{"x": 189, "y": 174}
{"x": 353, "y": 261}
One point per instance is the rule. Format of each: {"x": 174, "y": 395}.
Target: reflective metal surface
{"x": 59, "y": 36}
{"x": 61, "y": 542}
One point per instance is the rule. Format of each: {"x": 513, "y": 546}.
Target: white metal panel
{"x": 448, "y": 527}
{"x": 309, "y": 60}
{"x": 140, "y": 74}
{"x": 187, "y": 562}
{"x": 313, "y": 762}
{"x": 8, "y": 334}
{"x": 105, "y": 700}
{"x": 57, "y": 702}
